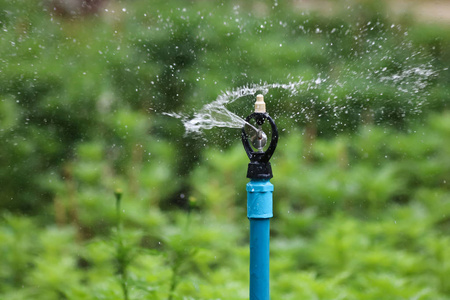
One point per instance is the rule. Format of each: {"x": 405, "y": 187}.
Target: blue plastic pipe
{"x": 259, "y": 212}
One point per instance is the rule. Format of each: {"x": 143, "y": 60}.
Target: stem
{"x": 174, "y": 279}
{"x": 124, "y": 286}
{"x": 179, "y": 257}
{"x": 118, "y": 194}
{"x": 121, "y": 252}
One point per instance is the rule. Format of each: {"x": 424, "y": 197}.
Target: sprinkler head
{"x": 259, "y": 166}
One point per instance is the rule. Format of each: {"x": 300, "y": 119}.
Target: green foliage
{"x": 105, "y": 79}
{"x": 362, "y": 201}
{"x": 357, "y": 217}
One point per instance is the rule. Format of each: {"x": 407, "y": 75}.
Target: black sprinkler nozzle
{"x": 259, "y": 166}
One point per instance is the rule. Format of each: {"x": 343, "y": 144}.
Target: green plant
{"x": 124, "y": 255}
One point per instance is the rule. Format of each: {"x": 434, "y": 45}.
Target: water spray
{"x": 259, "y": 196}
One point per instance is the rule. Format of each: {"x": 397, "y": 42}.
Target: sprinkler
{"x": 259, "y": 196}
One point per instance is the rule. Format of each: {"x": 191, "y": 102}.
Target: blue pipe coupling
{"x": 259, "y": 199}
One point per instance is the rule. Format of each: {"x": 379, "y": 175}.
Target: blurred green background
{"x": 105, "y": 197}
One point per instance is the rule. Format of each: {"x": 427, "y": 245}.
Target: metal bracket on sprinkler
{"x": 259, "y": 166}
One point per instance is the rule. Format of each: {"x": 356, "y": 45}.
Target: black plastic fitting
{"x": 259, "y": 166}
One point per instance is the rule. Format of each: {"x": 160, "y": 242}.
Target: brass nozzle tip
{"x": 260, "y": 106}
